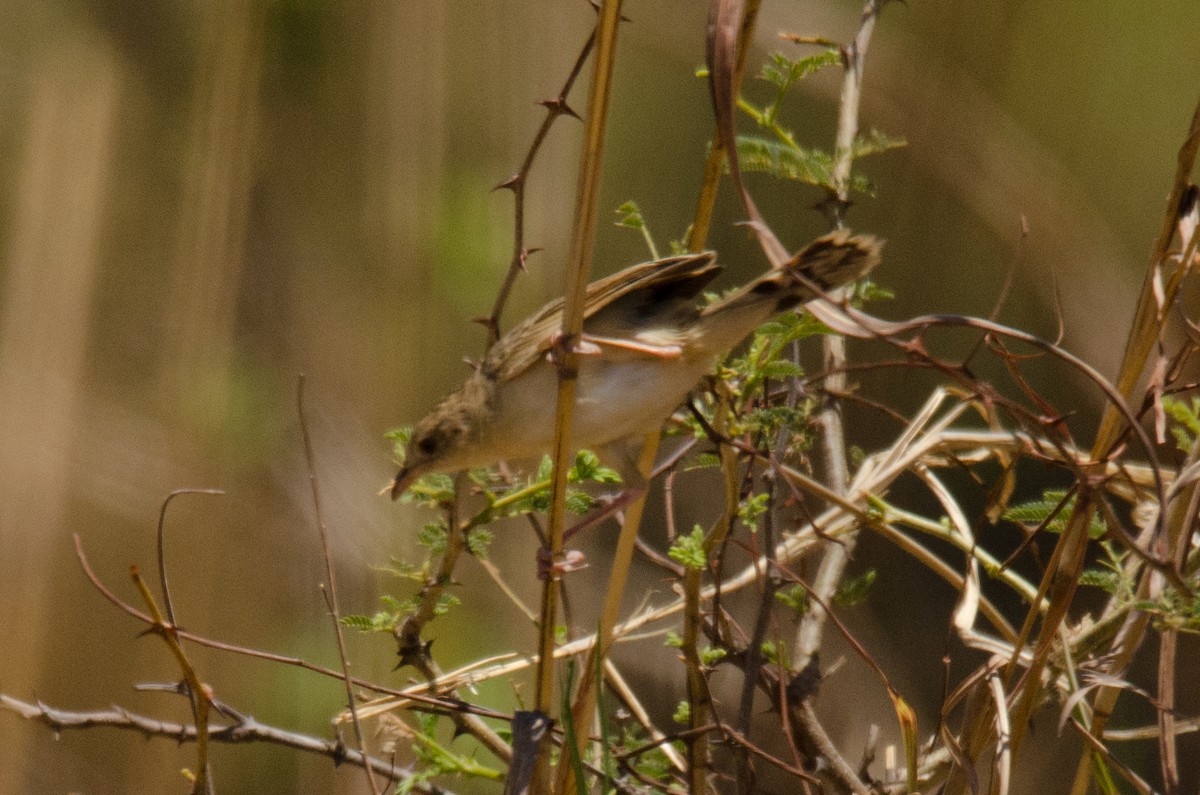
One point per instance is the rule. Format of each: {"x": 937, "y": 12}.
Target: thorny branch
{"x": 246, "y": 730}
{"x": 518, "y": 183}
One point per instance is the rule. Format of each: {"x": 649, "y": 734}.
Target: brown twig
{"x": 555, "y": 108}
{"x": 1144, "y": 332}
{"x": 448, "y": 705}
{"x": 583, "y": 710}
{"x": 414, "y": 651}
{"x": 164, "y": 585}
{"x": 198, "y": 693}
{"x": 247, "y": 730}
{"x": 330, "y": 592}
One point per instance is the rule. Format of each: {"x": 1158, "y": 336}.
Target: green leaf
{"x": 705, "y": 461}
{"x": 431, "y": 490}
{"x": 1038, "y": 512}
{"x": 683, "y": 713}
{"x": 478, "y": 541}
{"x": 812, "y": 167}
{"x": 1100, "y": 578}
{"x": 397, "y": 605}
{"x": 874, "y": 143}
{"x": 794, "y": 596}
{"x": 792, "y": 162}
{"x": 1187, "y": 420}
{"x": 380, "y": 622}
{"x": 782, "y": 72}
{"x": 399, "y": 437}
{"x": 711, "y": 656}
{"x": 444, "y": 603}
{"x": 854, "y": 592}
{"x": 688, "y": 550}
{"x": 579, "y": 502}
{"x": 782, "y": 368}
{"x": 587, "y": 468}
{"x": 630, "y": 216}
{"x": 773, "y": 417}
{"x": 361, "y": 623}
{"x": 866, "y": 290}
{"x": 403, "y": 570}
{"x": 750, "y": 509}
{"x": 433, "y": 536}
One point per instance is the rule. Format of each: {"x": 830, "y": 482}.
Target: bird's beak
{"x": 404, "y": 478}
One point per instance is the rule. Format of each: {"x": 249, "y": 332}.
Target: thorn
{"x": 596, "y": 7}
{"x": 559, "y": 107}
{"x": 523, "y": 257}
{"x": 511, "y": 183}
{"x": 413, "y": 653}
{"x": 806, "y": 683}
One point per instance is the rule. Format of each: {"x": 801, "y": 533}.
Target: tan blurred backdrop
{"x": 200, "y": 200}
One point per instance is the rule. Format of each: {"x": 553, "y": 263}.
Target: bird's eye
{"x": 427, "y": 445}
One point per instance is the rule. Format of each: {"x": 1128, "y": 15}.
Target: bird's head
{"x": 445, "y": 440}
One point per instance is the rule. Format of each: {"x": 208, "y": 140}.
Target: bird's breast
{"x": 615, "y": 397}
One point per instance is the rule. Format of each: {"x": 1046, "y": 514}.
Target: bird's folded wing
{"x": 529, "y": 341}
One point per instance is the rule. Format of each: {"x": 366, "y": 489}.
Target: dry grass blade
{"x": 724, "y": 23}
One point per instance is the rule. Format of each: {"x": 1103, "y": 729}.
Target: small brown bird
{"x": 646, "y": 342}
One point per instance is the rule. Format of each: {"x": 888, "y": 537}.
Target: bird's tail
{"x": 822, "y": 266}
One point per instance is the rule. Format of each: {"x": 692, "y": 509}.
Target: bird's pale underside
{"x": 647, "y": 340}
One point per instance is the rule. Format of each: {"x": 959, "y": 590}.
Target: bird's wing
{"x": 528, "y": 342}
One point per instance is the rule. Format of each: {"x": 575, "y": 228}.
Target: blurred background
{"x": 201, "y": 200}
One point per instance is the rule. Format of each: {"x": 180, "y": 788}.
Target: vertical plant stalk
{"x": 697, "y": 687}
{"x": 584, "y": 708}
{"x": 829, "y": 420}
{"x": 1140, "y": 343}
{"x": 416, "y": 653}
{"x": 579, "y": 265}
{"x": 583, "y": 712}
{"x": 700, "y": 704}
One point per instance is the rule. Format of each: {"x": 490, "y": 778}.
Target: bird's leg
{"x": 612, "y": 507}
{"x": 623, "y": 456}
{"x": 573, "y": 559}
